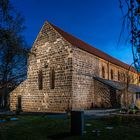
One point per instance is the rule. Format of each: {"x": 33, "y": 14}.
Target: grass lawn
{"x": 47, "y": 128}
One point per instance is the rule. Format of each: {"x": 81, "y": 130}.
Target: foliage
{"x": 13, "y": 50}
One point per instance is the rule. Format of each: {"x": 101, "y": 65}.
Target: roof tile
{"x": 90, "y": 49}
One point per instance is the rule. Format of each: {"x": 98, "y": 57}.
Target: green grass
{"x": 46, "y": 128}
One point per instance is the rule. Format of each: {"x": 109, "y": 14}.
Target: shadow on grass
{"x": 60, "y": 136}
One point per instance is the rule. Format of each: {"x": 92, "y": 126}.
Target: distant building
{"x": 65, "y": 73}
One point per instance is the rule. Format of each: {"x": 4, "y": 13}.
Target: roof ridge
{"x": 90, "y": 49}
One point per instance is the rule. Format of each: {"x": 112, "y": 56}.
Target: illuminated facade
{"x": 65, "y": 73}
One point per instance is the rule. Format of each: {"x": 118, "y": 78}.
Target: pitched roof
{"x": 90, "y": 49}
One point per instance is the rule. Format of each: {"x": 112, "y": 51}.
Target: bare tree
{"x": 131, "y": 22}
{"x": 13, "y": 50}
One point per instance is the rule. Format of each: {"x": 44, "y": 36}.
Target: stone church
{"x": 66, "y": 73}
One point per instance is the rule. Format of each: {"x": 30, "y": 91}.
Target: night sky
{"x": 97, "y": 22}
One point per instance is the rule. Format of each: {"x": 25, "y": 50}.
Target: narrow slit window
{"x": 40, "y": 80}
{"x": 119, "y": 76}
{"x": 128, "y": 79}
{"x": 52, "y": 78}
{"x": 111, "y": 74}
{"x": 132, "y": 79}
{"x": 124, "y": 77}
{"x": 103, "y": 72}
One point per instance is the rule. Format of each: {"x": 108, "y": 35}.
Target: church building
{"x": 65, "y": 73}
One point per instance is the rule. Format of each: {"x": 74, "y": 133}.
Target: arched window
{"x": 128, "y": 79}
{"x": 111, "y": 73}
{"x": 40, "y": 80}
{"x": 124, "y": 77}
{"x": 103, "y": 72}
{"x": 119, "y": 76}
{"x": 52, "y": 78}
{"x": 132, "y": 79}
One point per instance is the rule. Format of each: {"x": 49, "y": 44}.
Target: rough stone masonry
{"x": 60, "y": 77}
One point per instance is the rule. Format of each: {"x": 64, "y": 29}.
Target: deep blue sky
{"x": 97, "y": 22}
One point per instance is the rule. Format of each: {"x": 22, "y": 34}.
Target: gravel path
{"x": 97, "y": 113}
{"x": 6, "y": 113}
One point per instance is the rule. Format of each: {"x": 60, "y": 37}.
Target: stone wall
{"x": 124, "y": 73}
{"x": 22, "y": 89}
{"x": 85, "y": 66}
{"x": 50, "y": 51}
{"x": 88, "y": 93}
{"x": 60, "y": 77}
{"x": 101, "y": 97}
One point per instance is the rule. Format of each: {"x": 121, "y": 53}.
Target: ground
{"x": 51, "y": 127}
